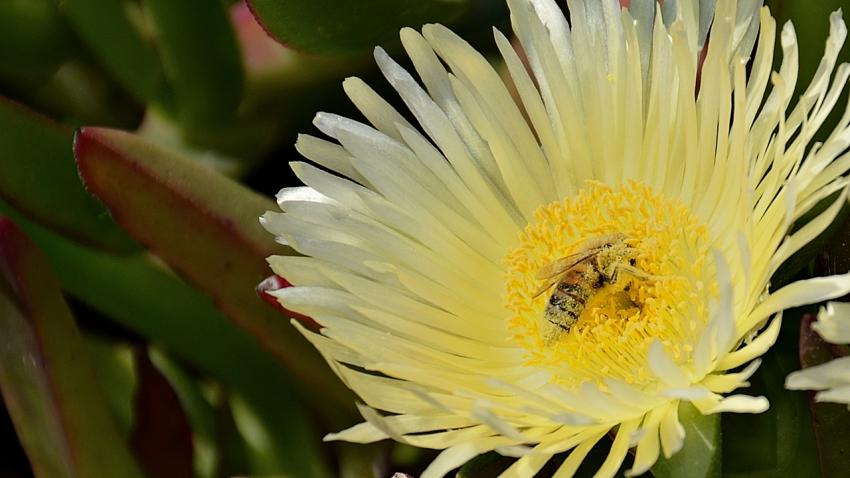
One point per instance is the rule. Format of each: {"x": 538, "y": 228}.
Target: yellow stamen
{"x": 664, "y": 302}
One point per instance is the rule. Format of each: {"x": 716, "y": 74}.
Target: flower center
{"x": 600, "y": 276}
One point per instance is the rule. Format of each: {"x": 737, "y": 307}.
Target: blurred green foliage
{"x": 155, "y": 239}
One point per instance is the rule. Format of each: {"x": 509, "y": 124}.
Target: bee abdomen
{"x": 565, "y": 305}
{"x": 572, "y": 290}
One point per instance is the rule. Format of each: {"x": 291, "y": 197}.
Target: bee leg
{"x": 612, "y": 272}
{"x": 637, "y": 273}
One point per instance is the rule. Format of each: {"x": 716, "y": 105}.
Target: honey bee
{"x": 578, "y": 276}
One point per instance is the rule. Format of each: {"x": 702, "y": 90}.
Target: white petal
{"x": 665, "y": 368}
{"x": 754, "y": 349}
{"x": 457, "y": 455}
{"x": 833, "y": 323}
{"x": 618, "y": 450}
{"x": 672, "y": 432}
{"x": 527, "y": 465}
{"x": 577, "y": 456}
{"x": 836, "y": 395}
{"x": 741, "y": 404}
{"x": 329, "y": 155}
{"x": 648, "y": 447}
{"x": 831, "y": 374}
{"x": 376, "y": 109}
{"x": 360, "y": 433}
{"x": 796, "y": 294}
{"x": 725, "y": 383}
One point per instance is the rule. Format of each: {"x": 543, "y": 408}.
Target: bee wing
{"x": 553, "y": 272}
{"x": 565, "y": 263}
{"x": 548, "y": 285}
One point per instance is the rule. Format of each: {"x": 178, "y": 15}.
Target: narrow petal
{"x": 833, "y": 323}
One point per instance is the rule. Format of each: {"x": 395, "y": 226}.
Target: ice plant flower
{"x": 654, "y": 147}
{"x": 832, "y": 379}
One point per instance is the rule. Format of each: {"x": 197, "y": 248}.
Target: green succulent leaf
{"x": 201, "y": 59}
{"x": 115, "y": 369}
{"x": 34, "y": 38}
{"x": 39, "y": 178}
{"x": 46, "y": 378}
{"x": 335, "y": 28}
{"x": 205, "y": 226}
{"x": 700, "y": 456}
{"x": 106, "y": 29}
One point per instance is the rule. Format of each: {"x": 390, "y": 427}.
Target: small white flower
{"x": 832, "y": 378}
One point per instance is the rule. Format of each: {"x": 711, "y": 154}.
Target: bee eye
{"x": 632, "y": 261}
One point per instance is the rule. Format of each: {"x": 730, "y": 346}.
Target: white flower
{"x": 832, "y": 378}
{"x": 423, "y": 247}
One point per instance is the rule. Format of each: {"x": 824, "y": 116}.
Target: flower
{"x": 429, "y": 249}
{"x": 832, "y": 378}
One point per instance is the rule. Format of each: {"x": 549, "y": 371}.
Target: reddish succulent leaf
{"x": 45, "y": 376}
{"x": 205, "y": 226}
{"x": 161, "y": 437}
{"x": 831, "y": 421}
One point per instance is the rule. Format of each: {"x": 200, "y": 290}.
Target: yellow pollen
{"x": 661, "y": 295}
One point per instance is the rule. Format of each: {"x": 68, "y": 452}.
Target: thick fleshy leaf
{"x": 200, "y": 57}
{"x": 115, "y": 370}
{"x": 46, "y": 378}
{"x": 334, "y": 27}
{"x": 117, "y": 44}
{"x": 205, "y": 226}
{"x": 154, "y": 304}
{"x": 162, "y": 436}
{"x": 700, "y": 456}
{"x": 39, "y": 178}
{"x": 34, "y": 38}
{"x": 831, "y": 421}
{"x": 197, "y": 407}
